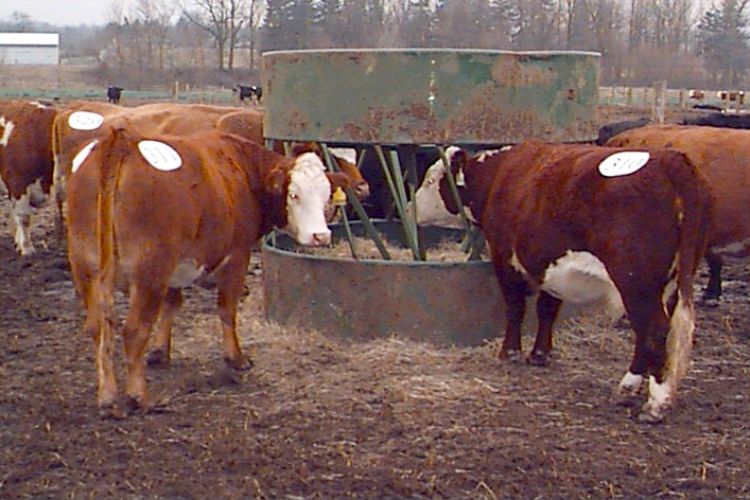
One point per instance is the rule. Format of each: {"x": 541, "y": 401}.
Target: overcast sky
{"x": 60, "y": 12}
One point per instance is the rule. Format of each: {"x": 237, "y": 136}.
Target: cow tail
{"x": 58, "y": 177}
{"x": 695, "y": 210}
{"x": 112, "y": 158}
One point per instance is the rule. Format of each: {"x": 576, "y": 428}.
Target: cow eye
{"x": 293, "y": 196}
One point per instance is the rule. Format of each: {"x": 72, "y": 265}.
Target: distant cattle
{"x": 26, "y": 162}
{"x": 737, "y": 96}
{"x": 708, "y": 107}
{"x": 252, "y": 92}
{"x": 723, "y": 156}
{"x": 697, "y": 95}
{"x": 611, "y": 129}
{"x": 114, "y": 94}
{"x": 578, "y": 223}
{"x": 153, "y": 214}
{"x": 720, "y": 120}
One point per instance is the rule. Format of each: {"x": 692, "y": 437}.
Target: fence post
{"x": 660, "y": 100}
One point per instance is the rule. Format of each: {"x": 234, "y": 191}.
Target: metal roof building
{"x": 29, "y": 48}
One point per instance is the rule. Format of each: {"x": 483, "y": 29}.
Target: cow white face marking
{"x": 7, "y": 127}
{"x": 85, "y": 120}
{"x": 582, "y": 279}
{"x": 348, "y": 154}
{"x": 159, "y": 155}
{"x": 625, "y": 163}
{"x": 307, "y": 195}
{"x": 431, "y": 210}
{"x": 82, "y": 155}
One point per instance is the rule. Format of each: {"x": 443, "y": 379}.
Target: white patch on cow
{"x": 159, "y": 155}
{"x": 582, "y": 279}
{"x": 483, "y": 156}
{"x": 82, "y": 155}
{"x": 625, "y": 163}
{"x": 186, "y": 272}
{"x": 660, "y": 400}
{"x": 680, "y": 338}
{"x": 631, "y": 384}
{"x": 307, "y": 195}
{"x": 39, "y": 105}
{"x": 515, "y": 263}
{"x": 7, "y": 127}
{"x": 85, "y": 120}
{"x": 348, "y": 154}
{"x": 22, "y": 211}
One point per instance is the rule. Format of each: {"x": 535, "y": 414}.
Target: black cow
{"x": 610, "y": 130}
{"x": 720, "y": 120}
{"x": 113, "y": 94}
{"x": 252, "y": 92}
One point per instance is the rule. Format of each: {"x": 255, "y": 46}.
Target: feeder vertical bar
{"x": 351, "y": 196}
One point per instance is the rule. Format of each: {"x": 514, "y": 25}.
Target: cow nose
{"x": 321, "y": 239}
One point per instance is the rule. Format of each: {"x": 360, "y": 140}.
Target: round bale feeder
{"x": 397, "y": 101}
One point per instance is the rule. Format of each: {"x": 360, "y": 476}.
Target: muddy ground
{"x": 318, "y": 417}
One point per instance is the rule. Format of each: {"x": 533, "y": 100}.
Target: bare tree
{"x": 223, "y": 20}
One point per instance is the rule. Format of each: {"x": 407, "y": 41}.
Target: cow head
{"x": 307, "y": 189}
{"x": 430, "y": 206}
{"x": 345, "y": 164}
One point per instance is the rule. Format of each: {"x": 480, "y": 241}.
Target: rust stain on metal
{"x": 509, "y": 72}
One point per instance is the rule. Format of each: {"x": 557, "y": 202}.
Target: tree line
{"x": 689, "y": 43}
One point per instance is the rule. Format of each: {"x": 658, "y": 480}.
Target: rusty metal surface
{"x": 430, "y": 96}
{"x": 456, "y": 303}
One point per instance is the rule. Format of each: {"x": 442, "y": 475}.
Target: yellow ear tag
{"x": 339, "y": 197}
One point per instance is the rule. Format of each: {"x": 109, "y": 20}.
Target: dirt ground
{"x": 318, "y": 417}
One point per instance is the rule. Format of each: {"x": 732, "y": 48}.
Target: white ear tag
{"x": 624, "y": 163}
{"x": 85, "y": 120}
{"x": 83, "y": 154}
{"x": 161, "y": 156}
{"x": 460, "y": 180}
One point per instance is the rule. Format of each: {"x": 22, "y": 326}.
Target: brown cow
{"x": 723, "y": 155}
{"x": 587, "y": 224}
{"x": 81, "y": 123}
{"x": 26, "y": 162}
{"x": 152, "y": 214}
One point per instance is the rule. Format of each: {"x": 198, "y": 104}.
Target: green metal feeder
{"x": 408, "y": 98}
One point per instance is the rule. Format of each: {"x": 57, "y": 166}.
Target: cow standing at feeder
{"x": 154, "y": 214}
{"x": 588, "y": 224}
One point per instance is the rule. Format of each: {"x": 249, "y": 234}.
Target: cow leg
{"x": 22, "y": 217}
{"x": 99, "y": 325}
{"x": 160, "y": 354}
{"x": 58, "y": 193}
{"x": 547, "y": 308}
{"x": 143, "y": 310}
{"x": 712, "y": 292}
{"x": 231, "y": 280}
{"x": 515, "y": 310}
{"x": 632, "y": 382}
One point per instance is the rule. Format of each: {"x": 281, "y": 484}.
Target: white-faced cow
{"x": 588, "y": 224}
{"x": 151, "y": 214}
{"x": 26, "y": 162}
{"x": 723, "y": 156}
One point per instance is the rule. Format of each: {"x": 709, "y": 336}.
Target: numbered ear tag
{"x": 161, "y": 156}
{"x": 624, "y": 163}
{"x": 85, "y": 120}
{"x": 83, "y": 154}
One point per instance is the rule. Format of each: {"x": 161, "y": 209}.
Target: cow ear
{"x": 458, "y": 162}
{"x": 338, "y": 179}
{"x": 299, "y": 148}
{"x": 274, "y": 181}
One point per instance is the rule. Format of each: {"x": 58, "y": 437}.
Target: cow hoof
{"x": 710, "y": 302}
{"x": 158, "y": 358}
{"x": 240, "y": 364}
{"x": 134, "y": 404}
{"x": 538, "y": 359}
{"x": 648, "y": 417}
{"x": 513, "y": 355}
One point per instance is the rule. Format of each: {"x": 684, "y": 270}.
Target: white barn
{"x": 29, "y": 48}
